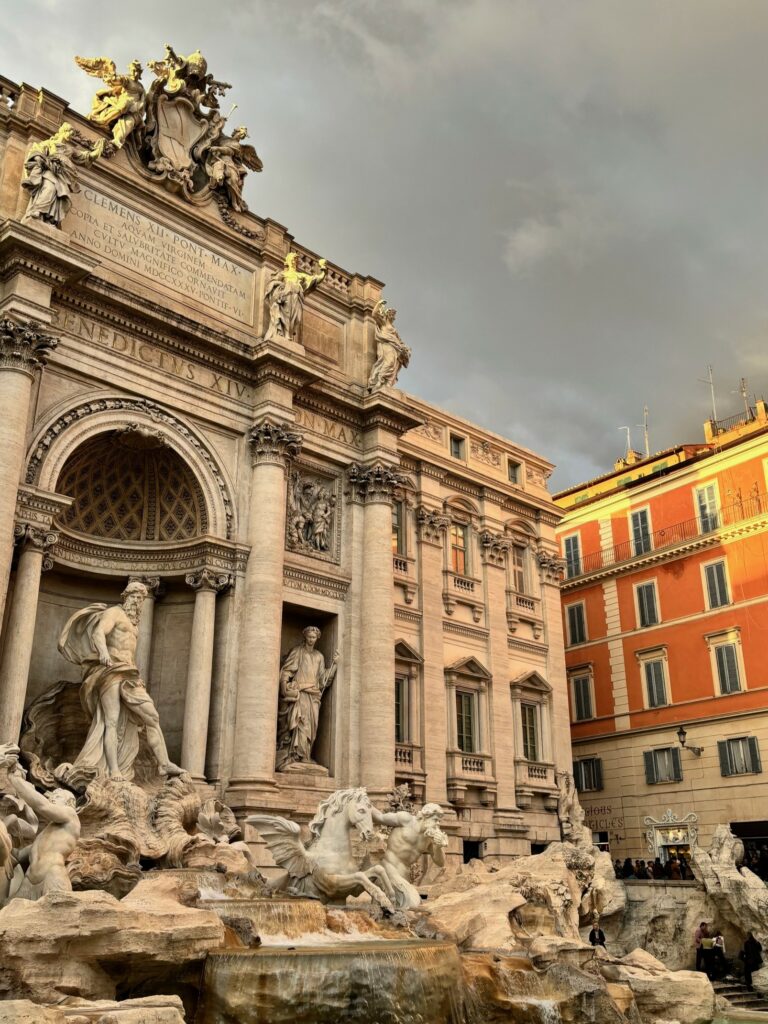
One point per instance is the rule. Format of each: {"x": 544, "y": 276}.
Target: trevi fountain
{"x": 130, "y": 891}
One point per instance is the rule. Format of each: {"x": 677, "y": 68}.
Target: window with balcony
{"x": 647, "y": 604}
{"x": 458, "y": 447}
{"x": 740, "y": 756}
{"x": 572, "y": 549}
{"x": 466, "y": 721}
{"x": 529, "y": 714}
{"x": 663, "y": 765}
{"x": 640, "y": 521}
{"x": 459, "y": 538}
{"x": 577, "y": 623}
{"x": 398, "y": 528}
{"x": 707, "y": 509}
{"x": 588, "y": 774}
{"x": 716, "y": 584}
{"x": 519, "y": 569}
{"x": 582, "y": 697}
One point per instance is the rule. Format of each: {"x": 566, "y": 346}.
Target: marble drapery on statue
{"x": 391, "y": 351}
{"x": 285, "y": 295}
{"x": 50, "y": 175}
{"x": 303, "y": 680}
{"x": 102, "y": 641}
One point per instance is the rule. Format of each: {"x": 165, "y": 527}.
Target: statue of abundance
{"x": 303, "y": 680}
{"x": 102, "y": 641}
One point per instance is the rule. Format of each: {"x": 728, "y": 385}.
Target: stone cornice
{"x": 41, "y": 253}
{"x": 309, "y": 581}
{"x": 24, "y": 344}
{"x": 273, "y": 443}
{"x": 39, "y": 508}
{"x": 116, "y": 558}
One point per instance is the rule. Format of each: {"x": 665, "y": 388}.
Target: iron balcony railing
{"x": 723, "y": 426}
{"x": 669, "y": 536}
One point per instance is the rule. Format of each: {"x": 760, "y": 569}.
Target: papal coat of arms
{"x": 175, "y": 128}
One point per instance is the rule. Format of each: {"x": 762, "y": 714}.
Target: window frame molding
{"x": 649, "y": 654}
{"x": 654, "y": 580}
{"x": 532, "y": 688}
{"x": 730, "y": 635}
{"x": 703, "y": 568}
{"x": 676, "y": 758}
{"x": 592, "y": 758}
{"x": 566, "y": 608}
{"x": 640, "y": 508}
{"x": 566, "y": 537}
{"x": 464, "y": 441}
{"x": 718, "y": 503}
{"x": 581, "y": 672}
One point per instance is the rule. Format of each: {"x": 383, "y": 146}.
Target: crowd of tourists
{"x": 676, "y": 869}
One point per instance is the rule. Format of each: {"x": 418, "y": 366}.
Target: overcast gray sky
{"x": 566, "y": 198}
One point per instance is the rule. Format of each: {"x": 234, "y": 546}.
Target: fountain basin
{"x": 401, "y": 981}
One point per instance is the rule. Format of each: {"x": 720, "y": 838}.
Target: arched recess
{"x": 73, "y": 425}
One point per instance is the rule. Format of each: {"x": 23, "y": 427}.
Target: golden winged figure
{"x": 120, "y": 105}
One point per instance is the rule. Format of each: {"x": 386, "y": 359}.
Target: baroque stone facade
{"x": 158, "y": 426}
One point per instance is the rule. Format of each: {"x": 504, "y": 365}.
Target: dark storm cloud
{"x": 566, "y": 199}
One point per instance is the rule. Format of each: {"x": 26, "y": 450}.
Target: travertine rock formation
{"x": 660, "y": 993}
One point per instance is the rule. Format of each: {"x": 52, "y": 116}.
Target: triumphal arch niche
{"x": 203, "y": 415}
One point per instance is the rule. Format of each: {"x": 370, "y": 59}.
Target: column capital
{"x": 37, "y": 538}
{"x": 374, "y": 483}
{"x": 153, "y": 584}
{"x": 273, "y": 443}
{"x": 494, "y": 548}
{"x": 431, "y": 525}
{"x": 208, "y": 579}
{"x": 24, "y": 344}
{"x": 551, "y": 567}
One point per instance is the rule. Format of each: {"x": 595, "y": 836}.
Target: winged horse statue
{"x": 325, "y": 868}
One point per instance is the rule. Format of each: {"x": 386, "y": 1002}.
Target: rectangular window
{"x": 655, "y": 683}
{"x": 457, "y": 447}
{"x": 740, "y": 756}
{"x": 572, "y": 556}
{"x": 577, "y": 624}
{"x": 402, "y": 733}
{"x": 582, "y": 698}
{"x": 459, "y": 549}
{"x": 513, "y": 471}
{"x": 647, "y": 608}
{"x": 727, "y": 668}
{"x": 641, "y": 531}
{"x": 529, "y": 716}
{"x": 588, "y": 774}
{"x": 465, "y": 721}
{"x": 717, "y": 585}
{"x": 706, "y": 507}
{"x": 519, "y": 569}
{"x": 663, "y": 765}
{"x": 398, "y": 528}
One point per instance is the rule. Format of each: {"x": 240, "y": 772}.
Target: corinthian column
{"x": 373, "y": 486}
{"x": 194, "y": 737}
{"x": 272, "y": 446}
{"x": 20, "y": 631}
{"x": 23, "y": 348}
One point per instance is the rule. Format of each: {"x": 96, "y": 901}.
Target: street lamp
{"x": 681, "y": 735}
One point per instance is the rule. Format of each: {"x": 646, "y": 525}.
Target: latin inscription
{"x": 327, "y": 427}
{"x": 168, "y": 362}
{"x": 111, "y": 229}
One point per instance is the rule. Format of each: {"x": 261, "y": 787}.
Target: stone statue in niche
{"x": 102, "y": 641}
{"x": 412, "y": 836}
{"x": 45, "y": 860}
{"x": 50, "y": 175}
{"x": 309, "y": 521}
{"x": 391, "y": 352}
{"x": 304, "y": 679}
{"x": 118, "y": 107}
{"x": 285, "y": 295}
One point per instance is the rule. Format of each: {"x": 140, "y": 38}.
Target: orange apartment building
{"x": 665, "y": 612}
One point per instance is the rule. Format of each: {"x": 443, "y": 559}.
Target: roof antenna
{"x": 644, "y": 425}
{"x": 743, "y": 390}
{"x": 711, "y": 381}
{"x": 629, "y": 440}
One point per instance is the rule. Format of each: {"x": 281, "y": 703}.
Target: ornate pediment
{"x": 469, "y": 667}
{"x": 532, "y": 680}
{"x": 404, "y": 652}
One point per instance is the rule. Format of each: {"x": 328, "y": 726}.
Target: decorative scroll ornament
{"x": 40, "y": 539}
{"x": 669, "y": 829}
{"x": 272, "y": 442}
{"x": 207, "y": 579}
{"x": 431, "y": 525}
{"x": 494, "y": 548}
{"x": 175, "y": 129}
{"x": 24, "y": 345}
{"x": 552, "y": 567}
{"x": 374, "y": 483}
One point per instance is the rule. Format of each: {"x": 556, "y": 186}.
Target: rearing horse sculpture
{"x": 325, "y": 867}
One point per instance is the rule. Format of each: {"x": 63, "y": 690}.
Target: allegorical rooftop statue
{"x": 285, "y": 295}
{"x": 303, "y": 681}
{"x": 228, "y": 162}
{"x": 102, "y": 641}
{"x": 50, "y": 175}
{"x": 391, "y": 351}
{"x": 120, "y": 105}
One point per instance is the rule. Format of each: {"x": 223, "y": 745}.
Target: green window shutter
{"x": 650, "y": 767}
{"x": 725, "y": 761}
{"x": 677, "y": 764}
{"x": 754, "y": 754}
{"x": 578, "y": 775}
{"x": 598, "y": 770}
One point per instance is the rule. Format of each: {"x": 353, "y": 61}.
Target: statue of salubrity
{"x": 304, "y": 679}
